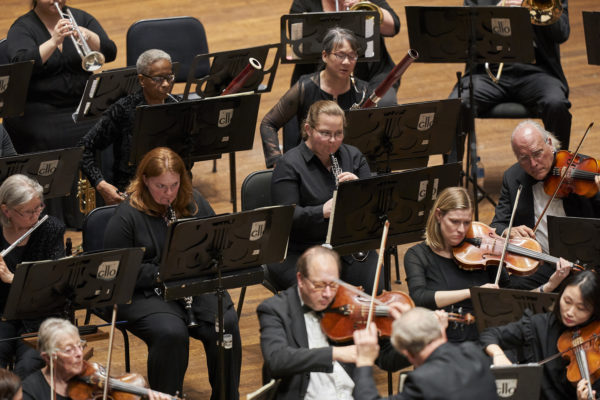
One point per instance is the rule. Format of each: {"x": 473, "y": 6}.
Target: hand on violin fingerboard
{"x": 152, "y": 395}
{"x": 397, "y": 308}
{"x": 367, "y": 346}
{"x": 582, "y": 390}
{"x": 563, "y": 268}
{"x": 442, "y": 317}
{"x": 520, "y": 231}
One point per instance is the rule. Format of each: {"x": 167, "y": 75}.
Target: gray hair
{"x": 149, "y": 57}
{"x": 335, "y": 37}
{"x": 51, "y": 331}
{"x": 415, "y": 329}
{"x": 16, "y": 190}
{"x": 536, "y": 126}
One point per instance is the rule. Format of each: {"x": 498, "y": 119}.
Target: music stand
{"x": 403, "y": 136}
{"x": 97, "y": 279}
{"x": 471, "y": 35}
{"x": 591, "y": 29}
{"x": 302, "y": 34}
{"x": 226, "y": 65}
{"x": 103, "y": 89}
{"x": 361, "y": 207}
{"x": 495, "y": 307}
{"x": 212, "y": 254}
{"x": 198, "y": 129}
{"x": 55, "y": 170}
{"x": 518, "y": 382}
{"x": 575, "y": 239}
{"x": 14, "y": 84}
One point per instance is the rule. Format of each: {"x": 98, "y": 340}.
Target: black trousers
{"x": 538, "y": 91}
{"x": 167, "y": 337}
{"x": 27, "y": 359}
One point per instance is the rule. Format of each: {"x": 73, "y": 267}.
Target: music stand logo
{"x": 425, "y": 121}
{"x": 47, "y": 168}
{"x": 107, "y": 270}
{"x": 506, "y": 387}
{"x": 257, "y": 230}
{"x": 501, "y": 26}
{"x": 225, "y": 117}
{"x": 4, "y": 83}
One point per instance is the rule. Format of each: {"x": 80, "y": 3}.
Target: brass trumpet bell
{"x": 543, "y": 12}
{"x": 368, "y": 6}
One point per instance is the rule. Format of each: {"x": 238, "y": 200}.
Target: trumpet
{"x": 542, "y": 13}
{"x": 90, "y": 60}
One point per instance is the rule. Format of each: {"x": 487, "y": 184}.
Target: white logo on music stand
{"x": 4, "y": 83}
{"x": 257, "y": 230}
{"x": 425, "y": 121}
{"x": 506, "y": 387}
{"x": 47, "y": 168}
{"x": 501, "y": 26}
{"x": 107, "y": 271}
{"x": 225, "y": 117}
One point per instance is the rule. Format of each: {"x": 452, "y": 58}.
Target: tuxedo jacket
{"x": 451, "y": 372}
{"x": 574, "y": 205}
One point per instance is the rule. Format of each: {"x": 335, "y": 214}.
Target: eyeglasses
{"x": 31, "y": 213}
{"x": 536, "y": 155}
{"x": 329, "y": 135}
{"x": 320, "y": 286}
{"x": 160, "y": 79}
{"x": 72, "y": 348}
{"x": 342, "y": 56}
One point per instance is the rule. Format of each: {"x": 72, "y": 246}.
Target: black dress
{"x": 427, "y": 273}
{"x": 162, "y": 324}
{"x": 535, "y": 337}
{"x": 45, "y": 243}
{"x": 56, "y": 86}
{"x": 35, "y": 387}
{"x": 301, "y": 179}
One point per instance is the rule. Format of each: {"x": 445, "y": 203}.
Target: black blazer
{"x": 451, "y": 372}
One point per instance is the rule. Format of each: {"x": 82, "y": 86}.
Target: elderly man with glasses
{"x": 115, "y": 127}
{"x": 294, "y": 347}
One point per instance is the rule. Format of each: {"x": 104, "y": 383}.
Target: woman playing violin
{"x": 434, "y": 277}
{"x": 59, "y": 340}
{"x": 536, "y": 336}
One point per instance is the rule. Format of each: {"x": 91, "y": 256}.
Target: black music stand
{"x": 103, "y": 89}
{"x": 97, "y": 279}
{"x": 471, "y": 35}
{"x": 55, "y": 170}
{"x": 591, "y": 29}
{"x": 403, "y": 136}
{"x": 14, "y": 84}
{"x": 361, "y": 207}
{"x": 223, "y": 252}
{"x": 575, "y": 239}
{"x": 226, "y": 65}
{"x": 302, "y": 34}
{"x": 518, "y": 382}
{"x": 495, "y": 307}
{"x": 198, "y": 129}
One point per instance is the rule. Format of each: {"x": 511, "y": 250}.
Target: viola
{"x": 349, "y": 312}
{"x": 90, "y": 384}
{"x": 580, "y": 178}
{"x": 581, "y": 347}
{"x": 482, "y": 247}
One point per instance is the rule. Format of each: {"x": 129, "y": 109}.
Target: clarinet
{"x": 336, "y": 170}
{"x": 187, "y": 300}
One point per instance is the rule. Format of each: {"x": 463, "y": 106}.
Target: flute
{"x": 19, "y": 240}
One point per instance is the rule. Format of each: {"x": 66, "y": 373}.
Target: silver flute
{"x": 187, "y": 300}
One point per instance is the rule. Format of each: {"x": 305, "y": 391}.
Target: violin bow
{"x": 110, "y": 346}
{"x": 510, "y": 224}
{"x": 562, "y": 177}
{"x": 386, "y": 228}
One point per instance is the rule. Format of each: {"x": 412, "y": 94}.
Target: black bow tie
{"x": 307, "y": 309}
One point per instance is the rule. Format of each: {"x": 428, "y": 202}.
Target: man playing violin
{"x": 295, "y": 348}
{"x": 442, "y": 370}
{"x": 534, "y": 148}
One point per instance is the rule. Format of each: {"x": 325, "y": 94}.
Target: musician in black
{"x": 304, "y": 176}
{"x": 162, "y": 183}
{"x": 333, "y": 82}
{"x": 115, "y": 127}
{"x": 21, "y": 203}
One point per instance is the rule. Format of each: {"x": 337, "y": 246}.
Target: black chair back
{"x": 256, "y": 190}
{"x": 181, "y": 37}
{"x": 94, "y": 227}
{"x": 4, "y": 59}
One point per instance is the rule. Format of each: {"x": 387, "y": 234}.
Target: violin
{"x": 349, "y": 312}
{"x": 582, "y": 349}
{"x": 90, "y": 384}
{"x": 482, "y": 247}
{"x": 580, "y": 178}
